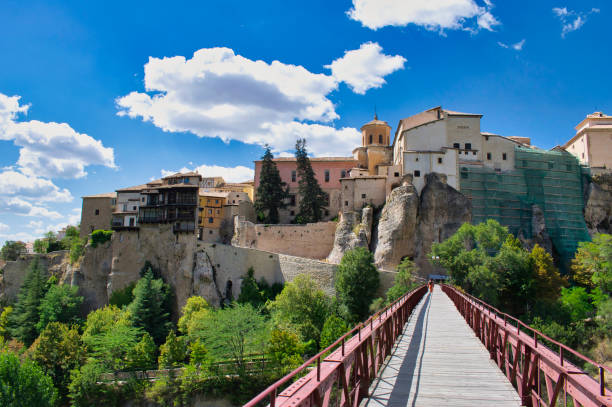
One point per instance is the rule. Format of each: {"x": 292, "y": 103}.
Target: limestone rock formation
{"x": 442, "y": 210}
{"x": 598, "y": 208}
{"x": 353, "y": 230}
{"x": 539, "y": 233}
{"x": 397, "y": 227}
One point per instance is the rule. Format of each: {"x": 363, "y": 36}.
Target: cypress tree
{"x": 312, "y": 198}
{"x": 271, "y": 191}
{"x": 149, "y": 309}
{"x": 25, "y": 315}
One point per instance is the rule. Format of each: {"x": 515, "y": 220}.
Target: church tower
{"x": 376, "y": 133}
{"x": 375, "y": 147}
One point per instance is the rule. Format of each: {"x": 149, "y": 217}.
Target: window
{"x": 473, "y": 152}
{"x": 143, "y": 199}
{"x": 216, "y": 201}
{"x": 124, "y": 207}
{"x": 456, "y": 145}
{"x": 468, "y": 146}
{"x": 291, "y": 200}
{"x": 439, "y": 160}
{"x": 345, "y": 203}
{"x": 210, "y": 232}
{"x": 218, "y": 212}
{"x": 363, "y": 196}
{"x": 370, "y": 139}
{"x": 396, "y": 174}
{"x": 326, "y": 175}
{"x": 417, "y": 173}
{"x": 380, "y": 139}
{"x": 343, "y": 174}
{"x": 488, "y": 156}
{"x": 582, "y": 155}
{"x": 504, "y": 156}
{"x": 464, "y": 175}
{"x": 416, "y": 159}
{"x": 97, "y": 211}
{"x": 293, "y": 176}
{"x": 292, "y": 213}
{"x": 210, "y": 211}
{"x": 210, "y": 220}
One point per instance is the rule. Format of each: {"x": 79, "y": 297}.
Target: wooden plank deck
{"x": 438, "y": 361}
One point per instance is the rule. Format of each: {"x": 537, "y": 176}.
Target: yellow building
{"x": 211, "y": 214}
{"x": 592, "y": 144}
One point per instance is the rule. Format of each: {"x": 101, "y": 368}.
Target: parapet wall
{"x": 313, "y": 240}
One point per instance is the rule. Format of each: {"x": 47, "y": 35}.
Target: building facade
{"x": 211, "y": 213}
{"x": 97, "y": 212}
{"x": 592, "y": 143}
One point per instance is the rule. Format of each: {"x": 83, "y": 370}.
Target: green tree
{"x": 100, "y": 236}
{"x": 4, "y": 323}
{"x": 578, "y": 302}
{"x": 198, "y": 354}
{"x": 271, "y": 192}
{"x": 548, "y": 281}
{"x": 357, "y": 281}
{"x": 195, "y": 305}
{"x": 40, "y": 245}
{"x": 25, "y": 317}
{"x": 142, "y": 357}
{"x": 284, "y": 350}
{"x": 249, "y": 290}
{"x": 303, "y": 305}
{"x": 60, "y": 304}
{"x": 58, "y": 349}
{"x": 84, "y": 390}
{"x": 150, "y": 309}
{"x": 173, "y": 352}
{"x": 403, "y": 282}
{"x": 313, "y": 199}
{"x": 123, "y": 296}
{"x": 592, "y": 265}
{"x": 11, "y": 250}
{"x": 333, "y": 328}
{"x": 23, "y": 384}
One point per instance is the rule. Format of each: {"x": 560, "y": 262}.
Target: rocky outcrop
{"x": 442, "y": 210}
{"x": 539, "y": 233}
{"x": 353, "y": 230}
{"x": 598, "y": 208}
{"x": 397, "y": 227}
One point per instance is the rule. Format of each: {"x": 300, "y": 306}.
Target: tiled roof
{"x": 105, "y": 195}
{"x": 313, "y": 159}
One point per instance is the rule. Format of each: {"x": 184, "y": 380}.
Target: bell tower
{"x": 376, "y": 133}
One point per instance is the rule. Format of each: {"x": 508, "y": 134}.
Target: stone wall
{"x": 313, "y": 240}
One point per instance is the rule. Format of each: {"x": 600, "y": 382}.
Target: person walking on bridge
{"x": 430, "y": 285}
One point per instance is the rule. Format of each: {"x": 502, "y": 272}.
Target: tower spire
{"x": 375, "y": 113}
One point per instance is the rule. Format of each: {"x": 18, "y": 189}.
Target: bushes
{"x": 357, "y": 282}
{"x": 24, "y": 384}
{"x": 100, "y": 237}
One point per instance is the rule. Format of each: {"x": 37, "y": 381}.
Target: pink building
{"x": 328, "y": 171}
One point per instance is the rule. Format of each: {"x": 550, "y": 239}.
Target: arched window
{"x": 370, "y": 139}
{"x": 380, "y": 139}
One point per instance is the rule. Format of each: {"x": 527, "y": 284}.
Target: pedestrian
{"x": 430, "y": 284}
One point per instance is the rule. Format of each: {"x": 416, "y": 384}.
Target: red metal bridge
{"x": 443, "y": 349}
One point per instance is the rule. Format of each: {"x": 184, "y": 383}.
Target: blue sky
{"x": 100, "y": 95}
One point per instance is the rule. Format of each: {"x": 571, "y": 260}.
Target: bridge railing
{"x": 541, "y": 376}
{"x": 341, "y": 374}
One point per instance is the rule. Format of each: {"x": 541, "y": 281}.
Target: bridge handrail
{"x": 271, "y": 391}
{"x": 492, "y": 340}
{"x": 534, "y": 331}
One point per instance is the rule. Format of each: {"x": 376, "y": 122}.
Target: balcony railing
{"x": 183, "y": 227}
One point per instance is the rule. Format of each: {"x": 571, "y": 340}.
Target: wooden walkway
{"x": 438, "y": 361}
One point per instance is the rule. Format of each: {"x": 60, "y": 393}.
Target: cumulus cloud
{"x": 18, "y": 206}
{"x": 239, "y": 173}
{"x": 50, "y": 150}
{"x": 432, "y": 15}
{"x": 571, "y": 20}
{"x": 4, "y": 227}
{"x": 516, "y": 46}
{"x": 366, "y": 67}
{"x": 218, "y": 93}
{"x": 17, "y": 184}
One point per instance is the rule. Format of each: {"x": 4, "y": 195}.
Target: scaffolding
{"x": 552, "y": 180}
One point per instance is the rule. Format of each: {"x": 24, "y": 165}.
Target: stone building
{"x": 592, "y": 143}
{"x": 97, "y": 212}
{"x": 328, "y": 172}
{"x": 211, "y": 212}
{"x": 129, "y": 200}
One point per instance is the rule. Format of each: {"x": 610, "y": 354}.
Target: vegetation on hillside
{"x": 271, "y": 192}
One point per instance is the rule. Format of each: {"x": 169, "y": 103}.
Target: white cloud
{"x": 19, "y": 236}
{"x": 35, "y": 224}
{"x": 516, "y": 46}
{"x": 239, "y": 173}
{"x": 50, "y": 150}
{"x": 17, "y": 184}
{"x": 217, "y": 93}
{"x": 18, "y": 206}
{"x": 572, "y": 20}
{"x": 4, "y": 227}
{"x": 366, "y": 67}
{"x": 433, "y": 15}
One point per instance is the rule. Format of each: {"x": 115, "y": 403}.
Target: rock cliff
{"x": 598, "y": 205}
{"x": 353, "y": 230}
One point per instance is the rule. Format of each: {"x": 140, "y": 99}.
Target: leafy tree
{"x": 4, "y": 323}
{"x": 357, "y": 281}
{"x": 284, "y": 350}
{"x": 150, "y": 308}
{"x": 578, "y": 302}
{"x": 313, "y": 199}
{"x": 40, "y": 245}
{"x": 271, "y": 192}
{"x": 172, "y": 353}
{"x": 104, "y": 319}
{"x": 11, "y": 250}
{"x": 548, "y": 281}
{"x": 198, "y": 354}
{"x": 333, "y": 328}
{"x": 303, "y": 305}
{"x": 24, "y": 384}
{"x": 233, "y": 333}
{"x": 53, "y": 245}
{"x": 100, "y": 236}
{"x": 592, "y": 265}
{"x": 77, "y": 248}
{"x": 123, "y": 296}
{"x": 249, "y": 290}
{"x": 84, "y": 390}
{"x": 195, "y": 305}
{"x": 24, "y": 318}
{"x": 60, "y": 304}
{"x": 142, "y": 357}
{"x": 403, "y": 282}
{"x": 58, "y": 350}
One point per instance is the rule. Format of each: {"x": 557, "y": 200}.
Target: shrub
{"x": 24, "y": 383}
{"x": 357, "y": 281}
{"x": 100, "y": 237}
{"x": 122, "y": 297}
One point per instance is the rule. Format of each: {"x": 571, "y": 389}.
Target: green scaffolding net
{"x": 552, "y": 180}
